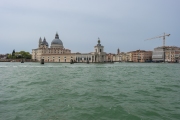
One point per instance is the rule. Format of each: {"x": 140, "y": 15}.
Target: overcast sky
{"x": 123, "y": 24}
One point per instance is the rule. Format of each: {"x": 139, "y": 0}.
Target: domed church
{"x": 57, "y": 53}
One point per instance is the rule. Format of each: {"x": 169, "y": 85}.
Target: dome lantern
{"x": 56, "y": 36}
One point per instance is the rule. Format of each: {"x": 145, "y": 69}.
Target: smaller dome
{"x": 44, "y": 42}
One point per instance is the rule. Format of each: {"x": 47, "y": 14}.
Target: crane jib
{"x": 163, "y": 36}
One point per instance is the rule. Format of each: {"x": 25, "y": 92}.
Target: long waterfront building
{"x": 57, "y": 53}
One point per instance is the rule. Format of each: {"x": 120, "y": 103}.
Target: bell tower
{"x": 40, "y": 41}
{"x": 98, "y": 48}
{"x": 99, "y": 54}
{"x": 118, "y": 51}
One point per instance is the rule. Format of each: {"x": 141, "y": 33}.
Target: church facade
{"x": 57, "y": 53}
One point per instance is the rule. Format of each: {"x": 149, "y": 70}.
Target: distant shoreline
{"x": 83, "y": 62}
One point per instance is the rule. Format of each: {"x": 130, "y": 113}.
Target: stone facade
{"x": 158, "y": 54}
{"x": 141, "y": 56}
{"x": 98, "y": 55}
{"x": 167, "y": 53}
{"x": 110, "y": 57}
{"x": 172, "y": 54}
{"x": 53, "y": 53}
{"x": 57, "y": 53}
{"x": 133, "y": 56}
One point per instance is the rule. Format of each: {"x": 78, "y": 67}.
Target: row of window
{"x": 54, "y": 60}
{"x": 57, "y": 57}
{"x": 49, "y": 51}
{"x": 78, "y": 58}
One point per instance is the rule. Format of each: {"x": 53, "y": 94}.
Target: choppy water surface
{"x": 59, "y": 91}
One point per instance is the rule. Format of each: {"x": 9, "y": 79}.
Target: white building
{"x": 57, "y": 53}
{"x": 97, "y": 56}
{"x": 158, "y": 54}
{"x": 167, "y": 53}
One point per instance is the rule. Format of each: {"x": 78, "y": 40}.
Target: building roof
{"x": 44, "y": 42}
{"x": 57, "y": 40}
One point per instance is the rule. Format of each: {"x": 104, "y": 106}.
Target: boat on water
{"x": 22, "y": 61}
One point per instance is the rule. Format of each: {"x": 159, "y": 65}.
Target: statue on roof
{"x": 99, "y": 40}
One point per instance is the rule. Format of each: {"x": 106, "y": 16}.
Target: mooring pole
{"x": 42, "y": 61}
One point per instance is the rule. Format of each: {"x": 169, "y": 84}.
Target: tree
{"x": 23, "y": 54}
{"x": 19, "y": 55}
{"x": 9, "y": 56}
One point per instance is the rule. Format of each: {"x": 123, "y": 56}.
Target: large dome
{"x": 57, "y": 40}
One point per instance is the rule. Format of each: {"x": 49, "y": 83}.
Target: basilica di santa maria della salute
{"x": 57, "y": 53}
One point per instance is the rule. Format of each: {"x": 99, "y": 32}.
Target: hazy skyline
{"x": 118, "y": 23}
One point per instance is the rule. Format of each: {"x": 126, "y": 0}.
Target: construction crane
{"x": 162, "y": 36}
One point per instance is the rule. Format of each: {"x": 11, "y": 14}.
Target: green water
{"x": 119, "y": 91}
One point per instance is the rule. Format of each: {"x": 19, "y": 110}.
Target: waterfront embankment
{"x": 16, "y": 60}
